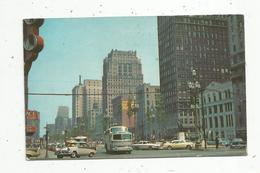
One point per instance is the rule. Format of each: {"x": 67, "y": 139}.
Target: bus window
{"x": 121, "y": 136}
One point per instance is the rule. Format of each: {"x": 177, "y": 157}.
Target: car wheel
{"x": 91, "y": 155}
{"x": 28, "y": 156}
{"x": 188, "y": 147}
{"x": 169, "y": 148}
{"x": 59, "y": 157}
{"x": 74, "y": 154}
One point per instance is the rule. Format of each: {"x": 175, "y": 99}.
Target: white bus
{"x": 118, "y": 139}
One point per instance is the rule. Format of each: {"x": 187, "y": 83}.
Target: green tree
{"x": 160, "y": 112}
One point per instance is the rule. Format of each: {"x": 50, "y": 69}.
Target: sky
{"x": 77, "y": 46}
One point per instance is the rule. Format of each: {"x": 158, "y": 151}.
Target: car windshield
{"x": 121, "y": 136}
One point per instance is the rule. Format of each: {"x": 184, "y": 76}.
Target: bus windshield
{"x": 122, "y": 136}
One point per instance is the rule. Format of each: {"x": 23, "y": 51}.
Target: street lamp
{"x": 196, "y": 87}
{"x": 46, "y": 139}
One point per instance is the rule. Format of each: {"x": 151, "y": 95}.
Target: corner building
{"x": 187, "y": 43}
{"x": 122, "y": 73}
{"x": 237, "y": 56}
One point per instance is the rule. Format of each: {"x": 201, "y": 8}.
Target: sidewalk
{"x": 212, "y": 148}
{"x": 42, "y": 155}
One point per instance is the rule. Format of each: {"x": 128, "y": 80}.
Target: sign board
{"x": 32, "y": 115}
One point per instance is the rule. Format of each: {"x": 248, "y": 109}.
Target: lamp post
{"x": 134, "y": 108}
{"x": 195, "y": 85}
{"x": 203, "y": 119}
{"x": 46, "y": 139}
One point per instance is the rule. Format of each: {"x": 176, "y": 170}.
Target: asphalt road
{"x": 101, "y": 154}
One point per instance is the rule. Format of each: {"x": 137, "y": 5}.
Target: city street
{"x": 101, "y": 154}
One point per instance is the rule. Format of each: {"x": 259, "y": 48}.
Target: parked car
{"x": 224, "y": 142}
{"x": 238, "y": 143}
{"x": 32, "y": 152}
{"x": 146, "y": 145}
{"x": 178, "y": 144}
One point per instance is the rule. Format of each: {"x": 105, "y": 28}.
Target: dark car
{"x": 238, "y": 143}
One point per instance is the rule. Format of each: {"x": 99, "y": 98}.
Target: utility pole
{"x": 46, "y": 139}
{"x": 203, "y": 119}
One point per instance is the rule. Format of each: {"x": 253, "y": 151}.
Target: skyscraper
{"x": 62, "y": 119}
{"x": 94, "y": 105}
{"x": 189, "y": 43}
{"x": 237, "y": 56}
{"x": 122, "y": 73}
{"x": 78, "y": 104}
{"x": 147, "y": 120}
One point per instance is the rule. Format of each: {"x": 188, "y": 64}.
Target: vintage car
{"x": 178, "y": 144}
{"x": 237, "y": 143}
{"x": 76, "y": 149}
{"x": 145, "y": 145}
{"x": 32, "y": 152}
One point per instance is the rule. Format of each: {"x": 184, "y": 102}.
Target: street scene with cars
{"x": 135, "y": 87}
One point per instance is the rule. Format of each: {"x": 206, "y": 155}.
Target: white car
{"x": 178, "y": 144}
{"x": 146, "y": 145}
{"x": 78, "y": 149}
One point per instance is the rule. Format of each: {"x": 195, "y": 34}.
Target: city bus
{"x": 118, "y": 139}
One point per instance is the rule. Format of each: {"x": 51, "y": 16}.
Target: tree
{"x": 160, "y": 112}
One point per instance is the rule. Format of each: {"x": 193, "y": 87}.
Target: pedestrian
{"x": 217, "y": 142}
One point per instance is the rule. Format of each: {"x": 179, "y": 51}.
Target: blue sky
{"x": 74, "y": 47}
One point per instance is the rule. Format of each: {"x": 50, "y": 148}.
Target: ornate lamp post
{"x": 46, "y": 139}
{"x": 196, "y": 88}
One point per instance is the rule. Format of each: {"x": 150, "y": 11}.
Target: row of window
{"x": 219, "y": 121}
{"x": 218, "y": 108}
{"x": 217, "y": 96}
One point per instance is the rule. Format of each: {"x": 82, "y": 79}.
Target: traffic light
{"x": 32, "y": 42}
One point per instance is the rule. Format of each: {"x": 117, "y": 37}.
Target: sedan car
{"x": 238, "y": 143}
{"x": 178, "y": 144}
{"x": 146, "y": 145}
{"x": 32, "y": 152}
{"x": 78, "y": 149}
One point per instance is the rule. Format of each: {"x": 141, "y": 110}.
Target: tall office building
{"x": 147, "y": 124}
{"x": 237, "y": 56}
{"x": 78, "y": 104}
{"x": 93, "y": 104}
{"x": 189, "y": 43}
{"x": 122, "y": 73}
{"x": 62, "y": 119}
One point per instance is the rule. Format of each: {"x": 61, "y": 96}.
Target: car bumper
{"x": 122, "y": 148}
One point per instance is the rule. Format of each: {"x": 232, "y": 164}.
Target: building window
{"x": 231, "y": 120}
{"x": 210, "y": 110}
{"x": 209, "y": 100}
{"x": 214, "y": 97}
{"x": 227, "y": 120}
{"x": 210, "y": 122}
{"x": 216, "y": 122}
{"x": 234, "y": 48}
{"x": 220, "y": 108}
{"x": 215, "y": 109}
{"x": 221, "y": 121}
